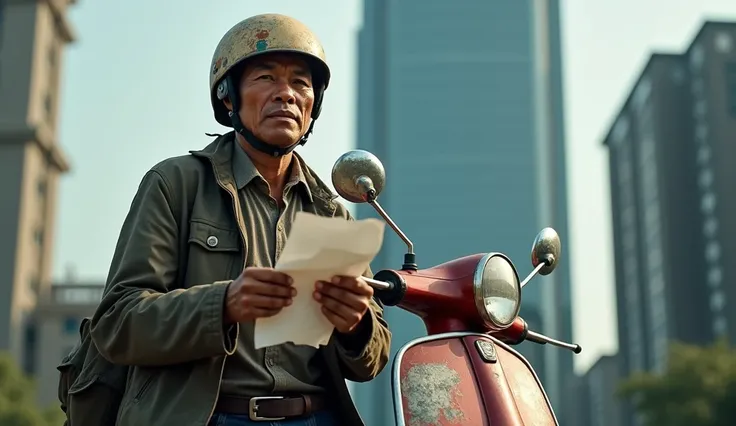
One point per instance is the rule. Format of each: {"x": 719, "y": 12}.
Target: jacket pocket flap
{"x": 213, "y": 238}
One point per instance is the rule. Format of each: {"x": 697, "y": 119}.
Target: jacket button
{"x": 212, "y": 241}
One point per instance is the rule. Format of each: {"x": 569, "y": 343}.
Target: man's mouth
{"x": 283, "y": 114}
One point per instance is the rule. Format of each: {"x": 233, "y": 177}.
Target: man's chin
{"x": 282, "y": 139}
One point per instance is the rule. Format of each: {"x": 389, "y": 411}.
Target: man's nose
{"x": 284, "y": 93}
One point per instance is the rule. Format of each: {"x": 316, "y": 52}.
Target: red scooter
{"x": 464, "y": 372}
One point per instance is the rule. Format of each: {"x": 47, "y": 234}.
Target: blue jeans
{"x": 320, "y": 418}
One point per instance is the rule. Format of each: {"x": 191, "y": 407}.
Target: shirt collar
{"x": 245, "y": 172}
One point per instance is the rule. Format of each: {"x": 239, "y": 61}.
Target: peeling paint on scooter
{"x": 431, "y": 391}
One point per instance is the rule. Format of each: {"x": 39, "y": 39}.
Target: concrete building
{"x": 462, "y": 101}
{"x": 57, "y": 319}
{"x": 594, "y": 395}
{"x": 671, "y": 148}
{"x": 39, "y": 321}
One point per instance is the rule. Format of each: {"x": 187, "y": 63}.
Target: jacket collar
{"x": 220, "y": 154}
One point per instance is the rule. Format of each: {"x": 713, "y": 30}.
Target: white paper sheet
{"x": 318, "y": 248}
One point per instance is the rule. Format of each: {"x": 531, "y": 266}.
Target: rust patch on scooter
{"x": 431, "y": 391}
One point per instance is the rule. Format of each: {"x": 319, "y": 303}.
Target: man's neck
{"x": 274, "y": 169}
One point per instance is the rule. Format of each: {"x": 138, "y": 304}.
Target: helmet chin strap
{"x": 260, "y": 145}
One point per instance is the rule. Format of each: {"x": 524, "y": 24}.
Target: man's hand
{"x": 258, "y": 293}
{"x": 344, "y": 301}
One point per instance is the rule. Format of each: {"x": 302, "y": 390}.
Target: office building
{"x": 462, "y": 101}
{"x": 671, "y": 148}
{"x": 35, "y": 314}
{"x": 593, "y": 395}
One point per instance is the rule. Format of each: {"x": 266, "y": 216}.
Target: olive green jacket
{"x": 162, "y": 310}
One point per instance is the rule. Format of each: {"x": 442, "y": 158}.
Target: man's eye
{"x": 264, "y": 77}
{"x": 302, "y": 82}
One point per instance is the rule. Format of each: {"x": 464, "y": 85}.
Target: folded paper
{"x": 317, "y": 249}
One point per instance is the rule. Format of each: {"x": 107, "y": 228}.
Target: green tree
{"x": 17, "y": 399}
{"x": 698, "y": 388}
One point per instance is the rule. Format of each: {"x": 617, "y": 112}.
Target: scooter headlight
{"x": 497, "y": 291}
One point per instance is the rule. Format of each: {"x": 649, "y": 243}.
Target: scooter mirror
{"x": 358, "y": 176}
{"x": 546, "y": 249}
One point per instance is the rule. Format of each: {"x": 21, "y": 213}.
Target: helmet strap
{"x": 255, "y": 142}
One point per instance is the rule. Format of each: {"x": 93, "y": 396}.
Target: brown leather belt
{"x": 271, "y": 408}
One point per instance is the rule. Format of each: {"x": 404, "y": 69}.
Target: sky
{"x": 135, "y": 92}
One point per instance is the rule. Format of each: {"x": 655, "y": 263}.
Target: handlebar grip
{"x": 394, "y": 293}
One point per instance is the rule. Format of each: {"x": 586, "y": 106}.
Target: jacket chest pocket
{"x": 215, "y": 253}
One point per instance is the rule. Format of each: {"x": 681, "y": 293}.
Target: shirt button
{"x": 212, "y": 241}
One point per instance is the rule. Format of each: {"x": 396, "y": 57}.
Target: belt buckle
{"x": 253, "y": 409}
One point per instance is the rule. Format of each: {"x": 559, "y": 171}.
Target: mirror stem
{"x": 385, "y": 216}
{"x": 533, "y": 274}
{"x": 546, "y": 261}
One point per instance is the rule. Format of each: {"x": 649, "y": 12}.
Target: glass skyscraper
{"x": 462, "y": 101}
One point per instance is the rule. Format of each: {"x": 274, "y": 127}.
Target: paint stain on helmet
{"x": 262, "y": 43}
{"x": 221, "y": 62}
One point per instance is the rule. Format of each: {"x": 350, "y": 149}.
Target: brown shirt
{"x": 283, "y": 368}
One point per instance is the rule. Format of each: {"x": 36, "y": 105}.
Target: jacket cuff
{"x": 227, "y": 335}
{"x": 356, "y": 345}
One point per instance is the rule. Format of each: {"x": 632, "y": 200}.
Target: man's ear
{"x": 228, "y": 104}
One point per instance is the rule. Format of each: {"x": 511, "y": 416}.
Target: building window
{"x": 35, "y": 284}
{"x": 697, "y": 57}
{"x": 701, "y": 132}
{"x": 52, "y": 57}
{"x": 710, "y": 227}
{"x": 723, "y": 42}
{"x": 720, "y": 327}
{"x": 708, "y": 202}
{"x": 71, "y": 325}
{"x": 715, "y": 277}
{"x": 620, "y": 130}
{"x": 698, "y": 87}
{"x": 703, "y": 154}
{"x": 30, "y": 338}
{"x": 42, "y": 187}
{"x": 713, "y": 252}
{"x": 641, "y": 94}
{"x": 678, "y": 76}
{"x": 717, "y": 301}
{"x": 700, "y": 109}
{"x": 48, "y": 104}
{"x": 38, "y": 236}
{"x": 731, "y": 87}
{"x": 706, "y": 178}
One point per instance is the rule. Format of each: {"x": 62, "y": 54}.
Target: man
{"x": 192, "y": 270}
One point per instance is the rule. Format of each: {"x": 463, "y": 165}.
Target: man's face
{"x": 277, "y": 98}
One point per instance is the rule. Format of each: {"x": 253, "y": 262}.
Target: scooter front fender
{"x": 466, "y": 379}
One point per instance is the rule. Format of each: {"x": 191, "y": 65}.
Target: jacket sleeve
{"x": 142, "y": 318}
{"x": 364, "y": 355}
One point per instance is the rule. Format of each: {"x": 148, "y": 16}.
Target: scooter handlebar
{"x": 519, "y": 332}
{"x": 378, "y": 285}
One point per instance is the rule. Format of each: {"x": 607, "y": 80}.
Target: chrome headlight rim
{"x": 480, "y": 304}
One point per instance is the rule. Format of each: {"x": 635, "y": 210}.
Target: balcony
{"x": 68, "y": 299}
{"x": 76, "y": 294}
